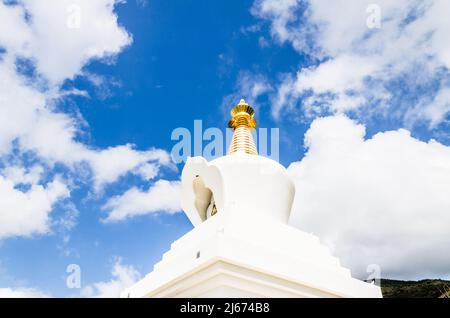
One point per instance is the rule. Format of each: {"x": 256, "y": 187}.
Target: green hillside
{"x": 427, "y": 288}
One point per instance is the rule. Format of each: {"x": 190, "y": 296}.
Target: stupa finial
{"x": 242, "y": 121}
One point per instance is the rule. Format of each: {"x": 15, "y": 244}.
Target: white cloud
{"x": 65, "y": 34}
{"x": 58, "y": 38}
{"x": 22, "y": 293}
{"x": 124, "y": 276}
{"x": 385, "y": 199}
{"x": 28, "y": 114}
{"x": 109, "y": 164}
{"x": 163, "y": 196}
{"x": 435, "y": 110}
{"x": 21, "y": 175}
{"x": 374, "y": 70}
{"x": 281, "y": 13}
{"x": 26, "y": 212}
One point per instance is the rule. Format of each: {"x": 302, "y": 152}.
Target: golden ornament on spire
{"x": 242, "y": 122}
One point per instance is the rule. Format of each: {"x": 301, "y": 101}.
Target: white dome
{"x": 242, "y": 185}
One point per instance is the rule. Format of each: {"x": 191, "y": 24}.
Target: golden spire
{"x": 242, "y": 122}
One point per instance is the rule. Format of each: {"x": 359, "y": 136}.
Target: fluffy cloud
{"x": 385, "y": 199}
{"x": 399, "y": 70}
{"x": 29, "y": 114}
{"x": 63, "y": 35}
{"x": 124, "y": 276}
{"x": 162, "y": 196}
{"x": 22, "y": 293}
{"x": 26, "y": 212}
{"x": 112, "y": 163}
{"x": 43, "y": 45}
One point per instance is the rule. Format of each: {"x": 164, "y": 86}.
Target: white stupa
{"x": 242, "y": 244}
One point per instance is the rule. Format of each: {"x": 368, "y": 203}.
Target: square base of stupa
{"x": 220, "y": 258}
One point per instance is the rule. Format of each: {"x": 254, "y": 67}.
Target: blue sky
{"x": 190, "y": 60}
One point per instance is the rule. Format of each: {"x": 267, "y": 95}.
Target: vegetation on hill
{"x": 427, "y": 288}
